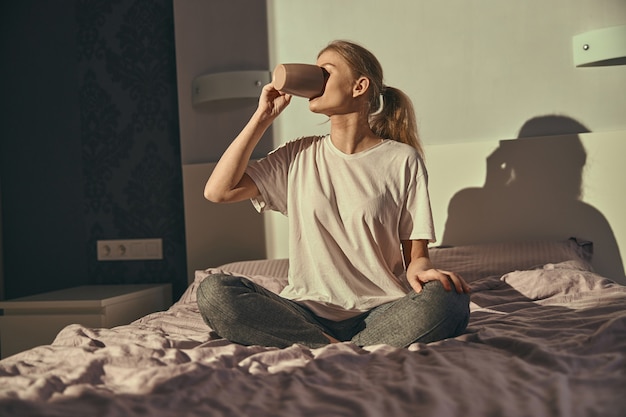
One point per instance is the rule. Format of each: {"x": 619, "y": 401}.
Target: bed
{"x": 547, "y": 337}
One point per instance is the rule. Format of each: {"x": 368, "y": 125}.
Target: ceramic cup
{"x": 302, "y": 80}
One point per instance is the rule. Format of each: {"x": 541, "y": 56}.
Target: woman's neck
{"x": 352, "y": 134}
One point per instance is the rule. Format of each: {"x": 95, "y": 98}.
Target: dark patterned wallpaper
{"x": 130, "y": 137}
{"x": 89, "y": 142}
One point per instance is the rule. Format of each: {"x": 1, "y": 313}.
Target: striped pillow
{"x": 473, "y": 262}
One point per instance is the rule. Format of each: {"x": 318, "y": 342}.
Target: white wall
{"x": 476, "y": 71}
{"x": 213, "y": 37}
{"x": 458, "y": 174}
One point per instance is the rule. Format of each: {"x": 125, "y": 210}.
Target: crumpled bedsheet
{"x": 545, "y": 342}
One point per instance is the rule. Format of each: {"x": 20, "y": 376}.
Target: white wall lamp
{"x": 600, "y": 47}
{"x": 228, "y": 85}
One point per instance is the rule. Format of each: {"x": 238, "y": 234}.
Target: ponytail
{"x": 395, "y": 118}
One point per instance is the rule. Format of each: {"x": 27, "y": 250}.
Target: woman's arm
{"x": 420, "y": 270}
{"x": 229, "y": 183}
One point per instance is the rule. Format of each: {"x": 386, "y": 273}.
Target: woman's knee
{"x": 215, "y": 299}
{"x": 214, "y": 291}
{"x": 448, "y": 308}
{"x": 437, "y": 295}
{"x": 217, "y": 281}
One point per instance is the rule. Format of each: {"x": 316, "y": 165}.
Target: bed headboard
{"x": 217, "y": 233}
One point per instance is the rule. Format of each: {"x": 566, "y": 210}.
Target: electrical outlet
{"x": 129, "y": 249}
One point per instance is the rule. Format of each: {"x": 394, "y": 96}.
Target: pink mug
{"x": 301, "y": 80}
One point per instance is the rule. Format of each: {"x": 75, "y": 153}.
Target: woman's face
{"x": 338, "y": 94}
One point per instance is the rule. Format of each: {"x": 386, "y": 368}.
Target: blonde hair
{"x": 391, "y": 113}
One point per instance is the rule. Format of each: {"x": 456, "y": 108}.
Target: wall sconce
{"x": 600, "y": 47}
{"x": 228, "y": 85}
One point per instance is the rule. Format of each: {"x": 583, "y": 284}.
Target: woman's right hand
{"x": 272, "y": 102}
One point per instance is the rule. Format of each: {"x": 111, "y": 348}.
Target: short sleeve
{"x": 270, "y": 174}
{"x": 416, "y": 220}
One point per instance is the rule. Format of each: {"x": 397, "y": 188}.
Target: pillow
{"x": 278, "y": 268}
{"x": 270, "y": 273}
{"x": 473, "y": 262}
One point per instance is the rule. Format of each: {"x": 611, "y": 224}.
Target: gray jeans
{"x": 246, "y": 313}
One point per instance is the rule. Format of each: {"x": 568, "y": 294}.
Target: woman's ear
{"x": 361, "y": 85}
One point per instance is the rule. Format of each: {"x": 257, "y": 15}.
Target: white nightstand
{"x": 35, "y": 320}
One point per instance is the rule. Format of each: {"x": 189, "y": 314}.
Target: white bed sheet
{"x": 544, "y": 342}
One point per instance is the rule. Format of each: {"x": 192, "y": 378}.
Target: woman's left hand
{"x": 417, "y": 278}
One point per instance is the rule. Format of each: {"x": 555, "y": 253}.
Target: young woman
{"x": 359, "y": 222}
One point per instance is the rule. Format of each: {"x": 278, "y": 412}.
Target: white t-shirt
{"x": 347, "y": 216}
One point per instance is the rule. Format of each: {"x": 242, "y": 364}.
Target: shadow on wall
{"x": 533, "y": 191}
